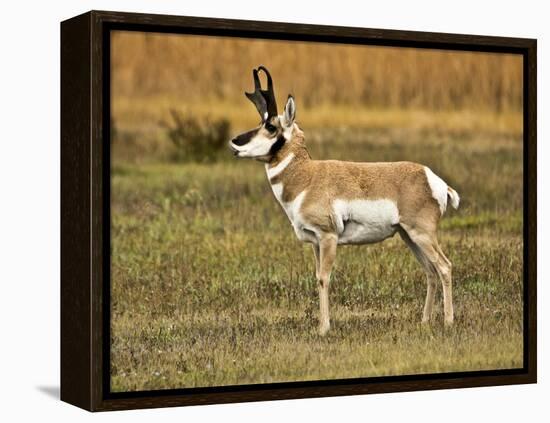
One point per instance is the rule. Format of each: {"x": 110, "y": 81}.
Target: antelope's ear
{"x": 290, "y": 112}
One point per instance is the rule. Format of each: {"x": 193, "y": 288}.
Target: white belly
{"x": 365, "y": 221}
{"x": 357, "y": 221}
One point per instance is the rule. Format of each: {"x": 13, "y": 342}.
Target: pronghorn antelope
{"x": 332, "y": 202}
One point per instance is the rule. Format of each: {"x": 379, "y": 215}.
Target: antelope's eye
{"x": 270, "y": 127}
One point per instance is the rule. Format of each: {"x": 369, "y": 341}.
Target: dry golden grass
{"x": 145, "y": 113}
{"x": 195, "y": 69}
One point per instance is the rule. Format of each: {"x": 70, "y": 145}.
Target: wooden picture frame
{"x": 85, "y": 213}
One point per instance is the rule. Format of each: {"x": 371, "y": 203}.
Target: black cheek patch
{"x": 244, "y": 138}
{"x": 277, "y": 145}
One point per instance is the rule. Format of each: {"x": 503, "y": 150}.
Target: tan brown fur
{"x": 403, "y": 182}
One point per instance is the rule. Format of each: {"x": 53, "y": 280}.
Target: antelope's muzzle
{"x": 241, "y": 140}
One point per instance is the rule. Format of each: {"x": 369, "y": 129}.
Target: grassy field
{"x": 210, "y": 286}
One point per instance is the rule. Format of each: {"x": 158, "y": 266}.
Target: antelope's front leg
{"x": 327, "y": 255}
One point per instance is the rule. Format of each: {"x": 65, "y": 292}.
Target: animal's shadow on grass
{"x": 50, "y": 391}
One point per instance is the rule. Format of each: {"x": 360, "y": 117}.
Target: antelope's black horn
{"x": 269, "y": 94}
{"x": 269, "y": 80}
{"x": 257, "y": 85}
{"x": 257, "y": 98}
{"x": 264, "y": 100}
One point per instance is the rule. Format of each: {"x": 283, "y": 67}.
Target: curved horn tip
{"x": 256, "y": 78}
{"x": 263, "y": 69}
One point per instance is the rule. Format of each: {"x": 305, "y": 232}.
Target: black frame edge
{"x": 530, "y": 203}
{"x": 98, "y": 217}
{"x": 277, "y": 394}
{"x": 76, "y": 233}
{"x": 378, "y": 36}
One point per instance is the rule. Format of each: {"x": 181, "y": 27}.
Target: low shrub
{"x": 196, "y": 139}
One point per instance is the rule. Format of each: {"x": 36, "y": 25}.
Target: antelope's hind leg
{"x": 447, "y": 282}
{"x": 327, "y": 255}
{"x": 317, "y": 259}
{"x": 431, "y": 276}
{"x": 426, "y": 248}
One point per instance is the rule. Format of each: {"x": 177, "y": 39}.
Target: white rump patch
{"x": 438, "y": 187}
{"x": 365, "y": 221}
{"x": 274, "y": 171}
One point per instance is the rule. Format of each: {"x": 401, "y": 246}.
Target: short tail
{"x": 454, "y": 197}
